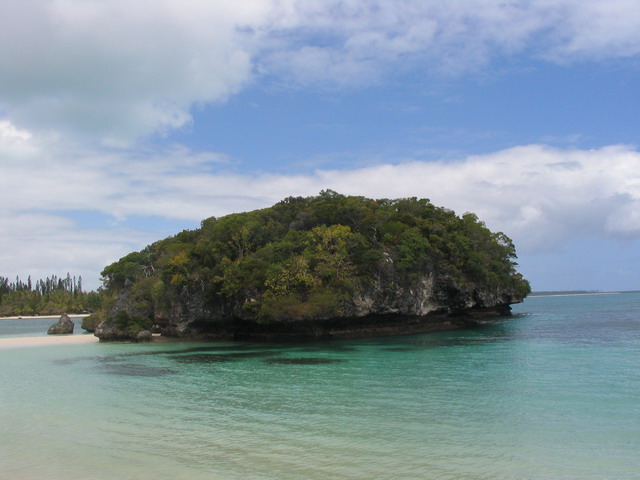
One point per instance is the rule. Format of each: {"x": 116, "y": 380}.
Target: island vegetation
{"x": 50, "y": 296}
{"x": 308, "y": 260}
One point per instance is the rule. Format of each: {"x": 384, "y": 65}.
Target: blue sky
{"x": 122, "y": 123}
{"x": 430, "y": 120}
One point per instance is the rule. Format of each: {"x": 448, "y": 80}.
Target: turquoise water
{"x": 33, "y": 327}
{"x": 550, "y": 393}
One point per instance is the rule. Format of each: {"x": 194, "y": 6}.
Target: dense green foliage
{"x": 51, "y": 296}
{"x": 302, "y": 257}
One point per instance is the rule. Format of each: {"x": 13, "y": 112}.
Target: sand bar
{"x": 33, "y": 317}
{"x": 19, "y": 342}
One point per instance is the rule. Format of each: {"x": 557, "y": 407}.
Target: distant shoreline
{"x": 569, "y": 294}
{"x": 33, "y": 317}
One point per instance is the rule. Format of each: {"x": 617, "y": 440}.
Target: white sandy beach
{"x": 28, "y": 317}
{"x": 18, "y": 342}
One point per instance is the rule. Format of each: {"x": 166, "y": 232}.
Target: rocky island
{"x": 329, "y": 266}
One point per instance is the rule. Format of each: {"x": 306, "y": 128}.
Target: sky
{"x": 122, "y": 123}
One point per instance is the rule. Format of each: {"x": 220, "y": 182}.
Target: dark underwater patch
{"x": 136, "y": 370}
{"x": 72, "y": 360}
{"x": 302, "y": 361}
{"x": 236, "y": 349}
{"x": 66, "y": 361}
{"x": 196, "y": 358}
{"x": 216, "y": 357}
{"x": 401, "y": 349}
{"x": 325, "y": 347}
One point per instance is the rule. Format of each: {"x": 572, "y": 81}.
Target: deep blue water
{"x": 552, "y": 392}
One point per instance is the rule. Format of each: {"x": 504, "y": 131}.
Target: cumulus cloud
{"x": 114, "y": 70}
{"x": 42, "y": 244}
{"x": 359, "y": 41}
{"x": 595, "y": 29}
{"x": 83, "y": 81}
{"x": 542, "y": 197}
{"x": 539, "y": 195}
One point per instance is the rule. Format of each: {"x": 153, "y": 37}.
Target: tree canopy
{"x": 305, "y": 255}
{"x": 50, "y": 296}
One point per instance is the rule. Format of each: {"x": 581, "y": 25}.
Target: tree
{"x": 317, "y": 250}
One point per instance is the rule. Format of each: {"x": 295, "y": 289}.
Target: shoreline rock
{"x": 144, "y": 336}
{"x": 63, "y": 326}
{"x": 369, "y": 326}
{"x": 90, "y": 323}
{"x": 386, "y": 323}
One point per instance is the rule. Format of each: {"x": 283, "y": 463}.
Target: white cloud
{"x": 542, "y": 197}
{"x": 361, "y": 41}
{"x": 538, "y": 195}
{"x": 9, "y": 133}
{"x": 114, "y": 70}
{"x": 80, "y": 73}
{"x": 41, "y": 245}
{"x": 595, "y": 29}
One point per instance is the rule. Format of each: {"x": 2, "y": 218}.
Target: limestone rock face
{"x": 90, "y": 323}
{"x": 64, "y": 325}
{"x": 125, "y": 321}
{"x": 388, "y": 306}
{"x": 144, "y": 336}
{"x": 109, "y": 331}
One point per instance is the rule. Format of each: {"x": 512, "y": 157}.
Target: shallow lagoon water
{"x": 552, "y": 392}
